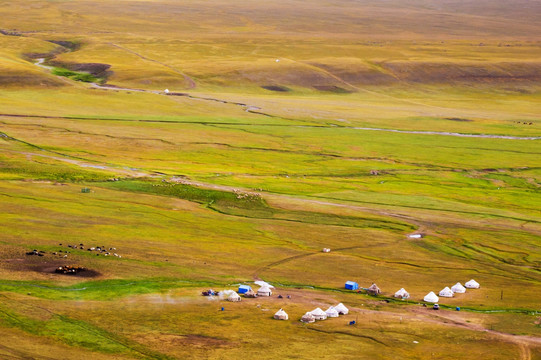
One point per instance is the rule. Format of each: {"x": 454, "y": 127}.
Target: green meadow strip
{"x": 77, "y": 333}
{"x": 103, "y": 290}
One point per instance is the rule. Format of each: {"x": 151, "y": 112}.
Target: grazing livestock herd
{"x": 100, "y": 250}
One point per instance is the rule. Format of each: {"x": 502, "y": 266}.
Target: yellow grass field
{"x": 204, "y": 145}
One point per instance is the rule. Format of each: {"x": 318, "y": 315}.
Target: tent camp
{"x": 373, "y": 290}
{"x": 308, "y": 318}
{"x": 431, "y": 297}
{"x": 264, "y": 291}
{"x": 331, "y": 312}
{"x": 281, "y": 315}
{"x": 250, "y": 294}
{"x": 244, "y": 289}
{"x": 402, "y": 294}
{"x": 233, "y": 296}
{"x": 319, "y": 314}
{"x": 446, "y": 292}
{"x": 458, "y": 288}
{"x": 472, "y": 284}
{"x": 342, "y": 310}
{"x": 351, "y": 285}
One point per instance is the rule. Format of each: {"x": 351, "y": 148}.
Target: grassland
{"x": 391, "y": 119}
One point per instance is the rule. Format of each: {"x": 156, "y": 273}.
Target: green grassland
{"x": 379, "y": 120}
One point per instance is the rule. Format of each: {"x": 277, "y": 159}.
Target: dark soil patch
{"x": 42, "y": 265}
{"x": 73, "y": 46}
{"x": 177, "y": 94}
{"x": 459, "y": 119}
{"x": 332, "y": 88}
{"x": 276, "y": 88}
{"x": 50, "y": 268}
{"x": 96, "y": 69}
{"x": 10, "y": 32}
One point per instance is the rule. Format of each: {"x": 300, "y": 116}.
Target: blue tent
{"x": 244, "y": 289}
{"x": 351, "y": 285}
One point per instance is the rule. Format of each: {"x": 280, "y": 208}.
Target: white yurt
{"x": 233, "y": 296}
{"x": 319, "y": 314}
{"x": 264, "y": 291}
{"x": 431, "y": 297}
{"x": 281, "y": 315}
{"x": 331, "y": 312}
{"x": 308, "y": 318}
{"x": 446, "y": 292}
{"x": 472, "y": 284}
{"x": 402, "y": 294}
{"x": 458, "y": 288}
{"x": 342, "y": 310}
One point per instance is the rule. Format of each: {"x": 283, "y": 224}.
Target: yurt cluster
{"x": 431, "y": 297}
{"x": 447, "y": 292}
{"x": 266, "y": 290}
{"x": 245, "y": 290}
{"x": 318, "y": 314}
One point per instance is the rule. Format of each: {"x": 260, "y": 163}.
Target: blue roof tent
{"x": 244, "y": 289}
{"x": 351, "y": 285}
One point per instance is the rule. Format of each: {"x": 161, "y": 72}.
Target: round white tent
{"x": 431, "y": 297}
{"x": 342, "y": 310}
{"x": 281, "y": 315}
{"x": 233, "y": 296}
{"x": 446, "y": 292}
{"x": 319, "y": 314}
{"x": 308, "y": 318}
{"x": 331, "y": 312}
{"x": 264, "y": 291}
{"x": 458, "y": 288}
{"x": 472, "y": 284}
{"x": 402, "y": 294}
